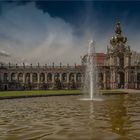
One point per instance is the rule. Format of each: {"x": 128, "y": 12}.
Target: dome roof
{"x": 118, "y": 37}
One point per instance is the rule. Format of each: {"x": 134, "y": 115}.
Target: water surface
{"x": 67, "y": 118}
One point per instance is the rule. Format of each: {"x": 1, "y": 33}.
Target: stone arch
{"x": 71, "y": 77}
{"x": 132, "y": 80}
{"x": 13, "y": 77}
{"x": 100, "y": 77}
{"x": 79, "y": 77}
{"x": 42, "y": 77}
{"x": 57, "y": 82}
{"x": 5, "y": 77}
{"x": 27, "y": 77}
{"x": 138, "y": 77}
{"x": 34, "y": 77}
{"x": 5, "y": 87}
{"x": 132, "y": 76}
{"x": 72, "y": 84}
{"x": 20, "y": 77}
{"x": 121, "y": 60}
{"x": 56, "y": 76}
{"x": 49, "y": 77}
{"x": 121, "y": 79}
{"x": 64, "y": 77}
{"x": 138, "y": 80}
{"x": 108, "y": 80}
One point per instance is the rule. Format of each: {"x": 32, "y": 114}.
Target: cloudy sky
{"x": 58, "y": 31}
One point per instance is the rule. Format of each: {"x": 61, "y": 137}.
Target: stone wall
{"x": 41, "y": 77}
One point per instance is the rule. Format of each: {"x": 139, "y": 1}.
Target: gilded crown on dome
{"x": 118, "y": 38}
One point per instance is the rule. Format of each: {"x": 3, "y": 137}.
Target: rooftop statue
{"x": 118, "y": 28}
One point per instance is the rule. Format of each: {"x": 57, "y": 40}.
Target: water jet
{"x": 91, "y": 74}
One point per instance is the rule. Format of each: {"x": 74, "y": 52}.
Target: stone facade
{"x": 40, "y": 77}
{"x": 115, "y": 70}
{"x": 120, "y": 66}
{"x": 122, "y": 74}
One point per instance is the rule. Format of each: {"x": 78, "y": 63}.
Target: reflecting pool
{"x": 117, "y": 117}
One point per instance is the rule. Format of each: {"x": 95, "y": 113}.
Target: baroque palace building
{"x": 118, "y": 68}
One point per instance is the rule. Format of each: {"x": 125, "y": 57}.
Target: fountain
{"x": 91, "y": 74}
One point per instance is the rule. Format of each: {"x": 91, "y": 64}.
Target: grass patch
{"x": 37, "y": 92}
{"x": 113, "y": 91}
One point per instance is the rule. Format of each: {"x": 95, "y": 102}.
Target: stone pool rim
{"x": 40, "y": 95}
{"x": 103, "y": 92}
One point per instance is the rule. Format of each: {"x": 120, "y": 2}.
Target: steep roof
{"x": 100, "y": 57}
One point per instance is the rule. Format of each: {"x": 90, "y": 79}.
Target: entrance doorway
{"x": 120, "y": 79}
{"x": 138, "y": 80}
{"x": 5, "y": 87}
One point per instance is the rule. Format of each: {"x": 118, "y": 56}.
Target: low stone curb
{"x": 42, "y": 95}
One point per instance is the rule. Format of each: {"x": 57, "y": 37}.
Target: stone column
{"x": 67, "y": 77}
{"x": 9, "y": 77}
{"x": 45, "y": 77}
{"x": 128, "y": 76}
{"x": 23, "y": 78}
{"x": 53, "y": 77}
{"x": 114, "y": 79}
{"x": 111, "y": 79}
{"x": 53, "y": 80}
{"x": 82, "y": 78}
{"x": 31, "y": 78}
{"x": 126, "y": 79}
{"x": 136, "y": 85}
{"x": 75, "y": 77}
{"x": 75, "y": 80}
{"x": 60, "y": 77}
{"x": 38, "y": 79}
{"x": 16, "y": 77}
{"x": 2, "y": 77}
{"x": 105, "y": 80}
{"x": 67, "y": 80}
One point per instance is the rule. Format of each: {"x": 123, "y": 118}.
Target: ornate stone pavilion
{"x": 118, "y": 68}
{"x": 120, "y": 71}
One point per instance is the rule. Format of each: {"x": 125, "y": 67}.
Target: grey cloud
{"x": 35, "y": 36}
{"x": 29, "y": 34}
{"x": 4, "y": 53}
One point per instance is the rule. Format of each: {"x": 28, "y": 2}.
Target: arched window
{"x": 56, "y": 76}
{"x": 42, "y": 77}
{"x": 49, "y": 77}
{"x": 79, "y": 77}
{"x": 121, "y": 60}
{"x": 34, "y": 76}
{"x": 71, "y": 77}
{"x": 100, "y": 76}
{"x": 13, "y": 77}
{"x": 27, "y": 77}
{"x": 20, "y": 77}
{"x": 64, "y": 77}
{"x": 132, "y": 77}
{"x": 121, "y": 79}
{"x": 138, "y": 77}
{"x": 5, "y": 77}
